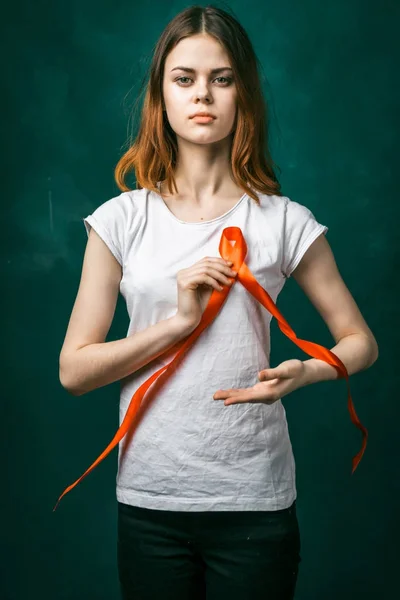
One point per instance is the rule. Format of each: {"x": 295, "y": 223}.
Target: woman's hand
{"x": 196, "y": 284}
{"x": 275, "y": 383}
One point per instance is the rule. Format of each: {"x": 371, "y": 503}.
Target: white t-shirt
{"x": 189, "y": 451}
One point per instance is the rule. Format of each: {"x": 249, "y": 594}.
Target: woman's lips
{"x": 200, "y": 119}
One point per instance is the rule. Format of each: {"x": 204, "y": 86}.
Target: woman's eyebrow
{"x": 189, "y": 70}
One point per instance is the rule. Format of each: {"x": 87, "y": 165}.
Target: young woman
{"x": 206, "y": 479}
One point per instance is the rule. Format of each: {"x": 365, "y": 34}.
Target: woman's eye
{"x": 227, "y": 79}
{"x": 180, "y": 78}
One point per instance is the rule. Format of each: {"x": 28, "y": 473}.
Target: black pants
{"x": 234, "y": 555}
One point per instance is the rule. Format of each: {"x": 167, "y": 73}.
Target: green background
{"x": 71, "y": 70}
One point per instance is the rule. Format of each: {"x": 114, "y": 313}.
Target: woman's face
{"x": 186, "y": 93}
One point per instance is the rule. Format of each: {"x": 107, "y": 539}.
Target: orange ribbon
{"x": 236, "y": 254}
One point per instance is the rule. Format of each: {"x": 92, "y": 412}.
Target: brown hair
{"x": 152, "y": 155}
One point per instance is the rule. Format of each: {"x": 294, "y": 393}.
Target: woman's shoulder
{"x": 283, "y": 204}
{"x": 272, "y": 202}
{"x": 121, "y": 203}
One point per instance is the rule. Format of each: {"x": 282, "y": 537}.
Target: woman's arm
{"x": 318, "y": 276}
{"x": 88, "y": 362}
{"x": 356, "y": 351}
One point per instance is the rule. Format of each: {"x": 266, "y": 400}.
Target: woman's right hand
{"x": 196, "y": 284}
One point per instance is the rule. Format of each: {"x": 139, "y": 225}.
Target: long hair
{"x": 153, "y": 154}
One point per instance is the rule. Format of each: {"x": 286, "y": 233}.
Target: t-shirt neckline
{"x": 197, "y": 223}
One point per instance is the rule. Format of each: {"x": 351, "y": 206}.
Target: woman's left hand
{"x": 274, "y": 384}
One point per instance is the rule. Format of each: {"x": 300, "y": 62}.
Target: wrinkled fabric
{"x": 190, "y": 452}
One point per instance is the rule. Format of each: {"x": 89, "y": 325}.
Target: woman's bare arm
{"x": 88, "y": 362}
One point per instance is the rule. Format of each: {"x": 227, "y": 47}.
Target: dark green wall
{"x": 70, "y": 72}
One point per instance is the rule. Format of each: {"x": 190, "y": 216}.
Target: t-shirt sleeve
{"x": 109, "y": 222}
{"x": 300, "y": 230}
